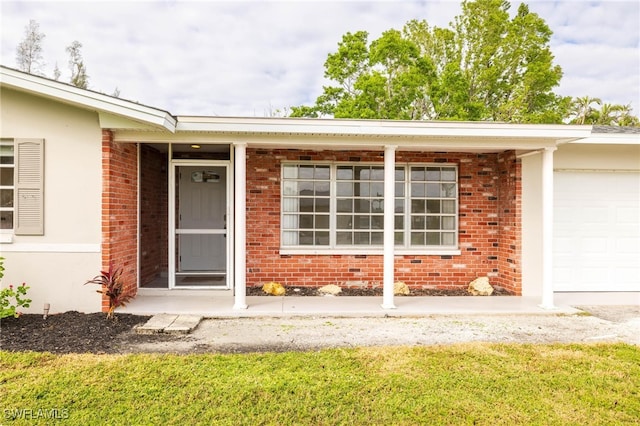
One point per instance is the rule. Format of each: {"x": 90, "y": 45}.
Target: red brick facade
{"x": 510, "y": 219}
{"x": 489, "y": 226}
{"x": 489, "y": 221}
{"x": 154, "y": 186}
{"x": 120, "y": 209}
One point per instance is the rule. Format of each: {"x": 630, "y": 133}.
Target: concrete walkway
{"x": 170, "y": 324}
{"x": 346, "y": 306}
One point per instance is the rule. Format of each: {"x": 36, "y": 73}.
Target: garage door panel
{"x": 627, "y": 215}
{"x": 597, "y": 231}
{"x": 627, "y": 245}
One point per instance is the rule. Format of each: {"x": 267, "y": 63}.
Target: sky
{"x": 257, "y": 58}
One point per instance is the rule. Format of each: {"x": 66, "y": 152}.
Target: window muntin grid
{"x": 341, "y": 205}
{"x": 7, "y": 184}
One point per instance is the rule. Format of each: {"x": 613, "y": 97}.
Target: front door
{"x": 201, "y": 213}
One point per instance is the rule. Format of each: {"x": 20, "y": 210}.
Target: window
{"x": 7, "y": 188}
{"x": 22, "y": 186}
{"x": 333, "y": 206}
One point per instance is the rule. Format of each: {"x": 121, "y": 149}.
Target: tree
{"x": 384, "y": 79}
{"x": 56, "y": 72}
{"x": 79, "y": 77}
{"x": 582, "y": 111}
{"x": 625, "y": 118}
{"x": 29, "y": 51}
{"x": 485, "y": 66}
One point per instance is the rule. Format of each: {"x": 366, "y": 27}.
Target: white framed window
{"x": 7, "y": 183}
{"x": 329, "y": 206}
{"x": 22, "y": 186}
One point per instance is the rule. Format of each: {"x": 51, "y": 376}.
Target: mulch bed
{"x": 75, "y": 332}
{"x": 69, "y": 332}
{"x": 367, "y": 291}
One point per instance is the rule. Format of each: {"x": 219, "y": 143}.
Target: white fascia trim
{"x": 339, "y": 127}
{"x": 611, "y": 139}
{"x": 369, "y": 252}
{"x": 50, "y": 248}
{"x": 86, "y": 98}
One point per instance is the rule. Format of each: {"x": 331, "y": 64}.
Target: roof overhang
{"x": 611, "y": 139}
{"x": 114, "y": 113}
{"x": 339, "y": 134}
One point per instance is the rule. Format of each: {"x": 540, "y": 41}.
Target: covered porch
{"x": 390, "y": 140}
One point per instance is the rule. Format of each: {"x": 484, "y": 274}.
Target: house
{"x": 216, "y": 204}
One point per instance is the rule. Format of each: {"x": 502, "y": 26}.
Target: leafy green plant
{"x": 112, "y": 287}
{"x": 9, "y": 308}
{"x": 1, "y": 267}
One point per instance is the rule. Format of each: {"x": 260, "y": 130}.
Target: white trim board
{"x": 50, "y": 248}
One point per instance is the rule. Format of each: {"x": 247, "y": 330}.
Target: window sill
{"x": 369, "y": 251}
{"x": 6, "y": 238}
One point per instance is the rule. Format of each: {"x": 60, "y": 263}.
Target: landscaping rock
{"x": 274, "y": 288}
{"x": 401, "y": 288}
{"x": 480, "y": 287}
{"x": 331, "y": 289}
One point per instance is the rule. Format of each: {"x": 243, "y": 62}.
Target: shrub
{"x": 9, "y": 308}
{"x": 112, "y": 287}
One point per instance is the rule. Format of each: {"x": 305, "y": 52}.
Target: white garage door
{"x": 596, "y": 231}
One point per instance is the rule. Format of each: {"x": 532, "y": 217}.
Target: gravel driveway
{"x": 593, "y": 324}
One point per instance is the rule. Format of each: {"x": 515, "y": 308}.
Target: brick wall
{"x": 119, "y": 209}
{"x": 488, "y": 226}
{"x": 510, "y": 215}
{"x": 154, "y": 185}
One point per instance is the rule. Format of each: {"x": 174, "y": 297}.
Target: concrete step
{"x": 171, "y": 324}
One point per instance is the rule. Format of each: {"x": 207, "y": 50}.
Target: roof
{"x": 111, "y": 109}
{"x": 615, "y": 129}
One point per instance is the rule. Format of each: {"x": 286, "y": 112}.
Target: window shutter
{"x": 29, "y": 186}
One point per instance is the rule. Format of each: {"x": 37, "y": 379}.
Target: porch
{"x": 221, "y": 305}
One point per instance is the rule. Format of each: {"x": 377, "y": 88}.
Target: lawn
{"x": 463, "y": 384}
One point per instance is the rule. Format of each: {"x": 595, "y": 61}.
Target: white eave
{"x": 611, "y": 139}
{"x": 349, "y": 133}
{"x": 112, "y": 110}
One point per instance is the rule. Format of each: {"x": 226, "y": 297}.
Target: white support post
{"x": 240, "y": 228}
{"x": 547, "y": 229}
{"x": 389, "y": 231}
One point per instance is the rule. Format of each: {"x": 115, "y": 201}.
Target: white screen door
{"x": 201, "y": 213}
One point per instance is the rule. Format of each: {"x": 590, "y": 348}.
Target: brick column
{"x": 120, "y": 209}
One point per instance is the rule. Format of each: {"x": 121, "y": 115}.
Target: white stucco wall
{"x": 57, "y": 264}
{"x": 573, "y": 156}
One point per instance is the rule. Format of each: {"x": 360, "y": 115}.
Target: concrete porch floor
{"x": 221, "y": 306}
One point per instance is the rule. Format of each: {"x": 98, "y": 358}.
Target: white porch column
{"x": 240, "y": 228}
{"x": 389, "y": 231}
{"x": 547, "y": 228}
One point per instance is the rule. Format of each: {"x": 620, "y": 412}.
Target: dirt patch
{"x": 615, "y": 313}
{"x": 73, "y": 332}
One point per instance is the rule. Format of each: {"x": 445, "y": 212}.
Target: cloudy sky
{"x": 251, "y": 58}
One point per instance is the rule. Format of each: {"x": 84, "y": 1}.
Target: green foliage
{"x": 583, "y": 111}
{"x": 487, "y": 384}
{"x": 1, "y": 267}
{"x": 9, "y": 308}
{"x": 486, "y": 65}
{"x": 111, "y": 286}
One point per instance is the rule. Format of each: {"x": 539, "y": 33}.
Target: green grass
{"x": 465, "y": 384}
